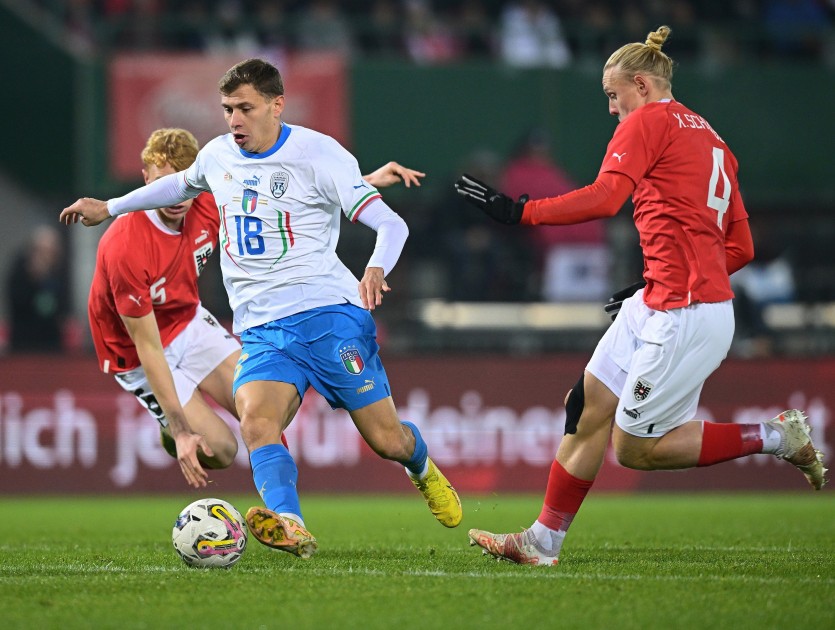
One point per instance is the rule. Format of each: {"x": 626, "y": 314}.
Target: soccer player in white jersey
{"x": 302, "y": 316}
{"x": 148, "y": 326}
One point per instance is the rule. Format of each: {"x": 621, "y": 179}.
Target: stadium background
{"x": 485, "y": 379}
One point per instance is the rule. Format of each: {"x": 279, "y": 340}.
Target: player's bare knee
{"x": 256, "y": 430}
{"x": 628, "y": 460}
{"x": 630, "y": 457}
{"x": 212, "y": 463}
{"x": 224, "y": 454}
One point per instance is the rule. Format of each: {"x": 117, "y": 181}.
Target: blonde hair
{"x": 646, "y": 58}
{"x": 176, "y": 147}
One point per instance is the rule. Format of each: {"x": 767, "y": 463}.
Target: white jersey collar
{"x": 153, "y": 216}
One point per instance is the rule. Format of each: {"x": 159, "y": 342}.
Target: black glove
{"x": 495, "y": 204}
{"x": 612, "y": 307}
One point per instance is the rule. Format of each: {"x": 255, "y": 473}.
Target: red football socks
{"x": 563, "y": 498}
{"x": 726, "y": 441}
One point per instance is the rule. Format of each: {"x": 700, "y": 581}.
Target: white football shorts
{"x": 656, "y": 362}
{"x": 191, "y": 357}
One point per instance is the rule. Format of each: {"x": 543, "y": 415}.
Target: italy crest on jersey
{"x": 352, "y": 360}
{"x": 249, "y": 201}
{"x": 278, "y": 183}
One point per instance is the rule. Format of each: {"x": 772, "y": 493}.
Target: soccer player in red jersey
{"x": 148, "y": 326}
{"x": 648, "y": 369}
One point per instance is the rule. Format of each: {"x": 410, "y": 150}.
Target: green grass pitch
{"x": 643, "y": 561}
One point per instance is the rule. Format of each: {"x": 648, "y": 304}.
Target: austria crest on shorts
{"x": 249, "y": 201}
{"x": 352, "y": 360}
{"x": 641, "y": 390}
{"x": 278, "y": 183}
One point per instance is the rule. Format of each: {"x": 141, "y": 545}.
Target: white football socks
{"x": 422, "y": 473}
{"x": 772, "y": 438}
{"x": 550, "y": 540}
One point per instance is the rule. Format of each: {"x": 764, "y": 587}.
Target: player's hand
{"x": 87, "y": 210}
{"x": 612, "y": 307}
{"x": 372, "y": 286}
{"x": 495, "y": 204}
{"x": 187, "y": 445}
{"x": 393, "y": 173}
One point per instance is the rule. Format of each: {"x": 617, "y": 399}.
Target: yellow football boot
{"x": 440, "y": 496}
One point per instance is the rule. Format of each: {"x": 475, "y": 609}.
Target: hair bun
{"x": 657, "y": 38}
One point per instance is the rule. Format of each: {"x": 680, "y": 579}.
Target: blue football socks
{"x": 417, "y": 463}
{"x": 275, "y": 474}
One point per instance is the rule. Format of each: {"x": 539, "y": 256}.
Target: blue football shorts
{"x": 331, "y": 348}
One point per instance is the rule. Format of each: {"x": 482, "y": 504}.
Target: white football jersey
{"x": 279, "y": 222}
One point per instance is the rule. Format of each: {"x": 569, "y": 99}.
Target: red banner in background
{"x": 492, "y": 423}
{"x": 150, "y": 91}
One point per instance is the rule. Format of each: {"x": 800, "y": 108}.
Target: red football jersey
{"x": 686, "y": 194}
{"x": 140, "y": 266}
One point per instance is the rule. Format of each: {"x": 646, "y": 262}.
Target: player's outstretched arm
{"x": 166, "y": 191}
{"x": 87, "y": 210}
{"x": 144, "y": 333}
{"x": 393, "y": 173}
{"x": 493, "y": 203}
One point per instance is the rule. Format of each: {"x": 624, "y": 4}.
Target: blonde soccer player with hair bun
{"x": 672, "y": 330}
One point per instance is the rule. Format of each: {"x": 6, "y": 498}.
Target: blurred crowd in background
{"x": 454, "y": 254}
{"x": 519, "y": 32}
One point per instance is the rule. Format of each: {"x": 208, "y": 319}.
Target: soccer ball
{"x": 210, "y": 533}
